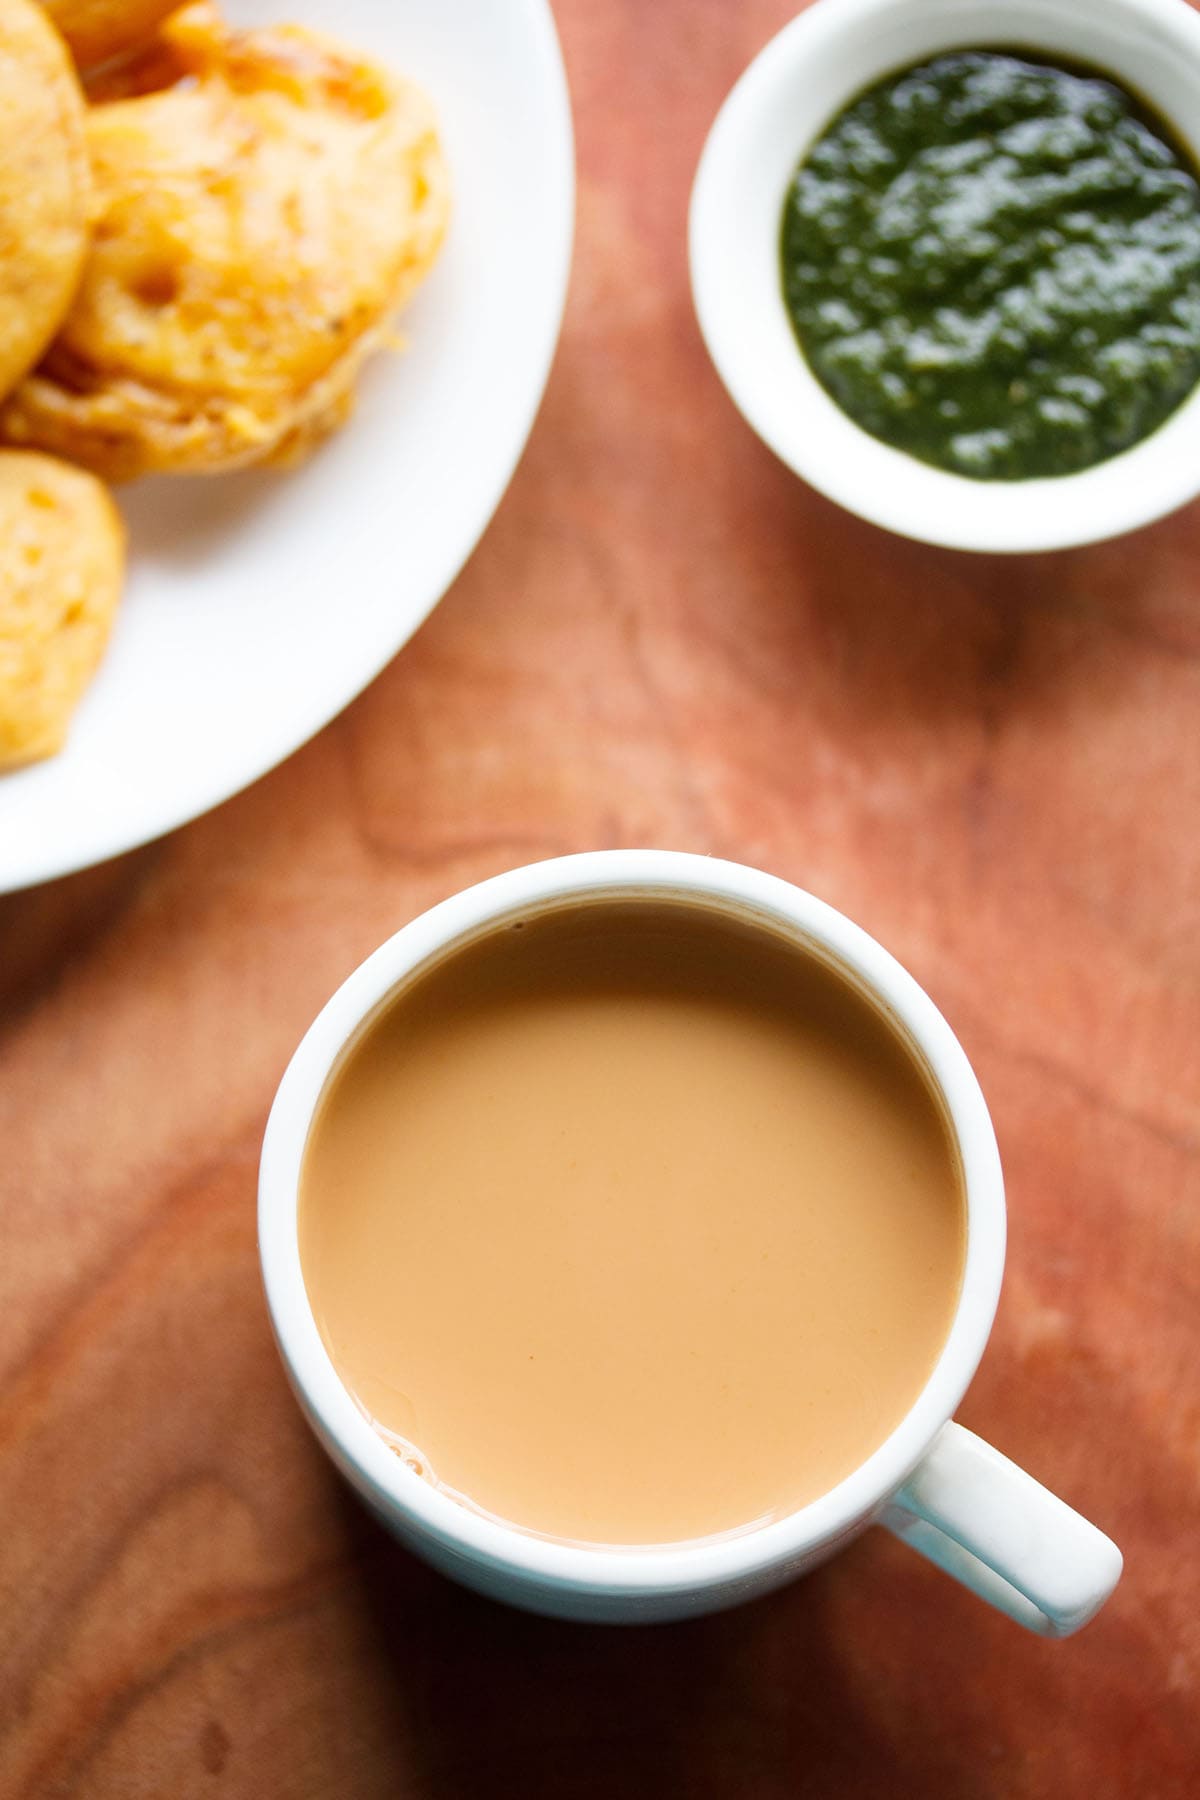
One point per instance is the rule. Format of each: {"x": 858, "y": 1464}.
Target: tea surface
{"x": 631, "y": 1225}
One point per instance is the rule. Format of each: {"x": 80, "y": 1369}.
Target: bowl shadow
{"x": 909, "y": 634}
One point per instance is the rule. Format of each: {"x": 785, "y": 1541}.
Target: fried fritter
{"x": 258, "y": 226}
{"x": 98, "y": 29}
{"x": 44, "y": 186}
{"x": 62, "y": 555}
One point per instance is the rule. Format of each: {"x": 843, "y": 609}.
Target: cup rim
{"x": 762, "y": 367}
{"x": 402, "y": 1495}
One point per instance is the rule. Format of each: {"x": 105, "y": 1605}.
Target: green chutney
{"x": 993, "y": 263}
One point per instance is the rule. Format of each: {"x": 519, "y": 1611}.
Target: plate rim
{"x": 92, "y": 849}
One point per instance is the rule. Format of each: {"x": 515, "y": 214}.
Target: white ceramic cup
{"x": 934, "y": 1484}
{"x": 784, "y": 100}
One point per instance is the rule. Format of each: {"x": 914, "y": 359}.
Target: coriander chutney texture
{"x": 993, "y": 263}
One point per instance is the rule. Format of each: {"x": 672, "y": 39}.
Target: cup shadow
{"x": 755, "y": 1702}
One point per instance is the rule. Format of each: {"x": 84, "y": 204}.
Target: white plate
{"x": 259, "y": 604}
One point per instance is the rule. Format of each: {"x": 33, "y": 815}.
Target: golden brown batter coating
{"x": 257, "y": 228}
{"x": 62, "y": 554}
{"x": 98, "y": 29}
{"x": 44, "y": 186}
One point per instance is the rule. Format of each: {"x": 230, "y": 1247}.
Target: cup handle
{"x": 1003, "y": 1535}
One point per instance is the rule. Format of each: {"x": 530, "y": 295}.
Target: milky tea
{"x": 631, "y": 1223}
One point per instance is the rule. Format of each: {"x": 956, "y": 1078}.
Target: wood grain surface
{"x": 664, "y": 639}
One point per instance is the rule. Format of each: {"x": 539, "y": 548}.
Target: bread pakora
{"x": 258, "y": 224}
{"x": 96, "y": 30}
{"x": 62, "y": 556}
{"x": 44, "y": 186}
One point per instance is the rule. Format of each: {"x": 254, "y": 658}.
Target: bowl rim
{"x": 821, "y": 443}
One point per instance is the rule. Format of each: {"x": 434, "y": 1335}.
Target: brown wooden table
{"x": 664, "y": 639}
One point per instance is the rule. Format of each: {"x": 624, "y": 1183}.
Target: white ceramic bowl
{"x": 782, "y": 103}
